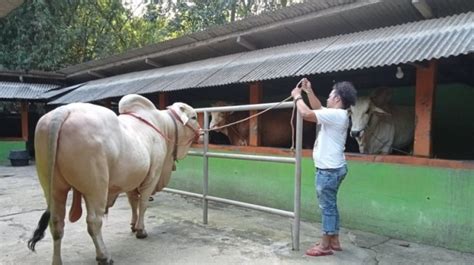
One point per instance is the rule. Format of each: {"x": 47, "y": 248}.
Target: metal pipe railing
{"x": 296, "y": 160}
{"x": 277, "y": 105}
{"x": 297, "y": 195}
{"x": 232, "y": 202}
{"x": 278, "y": 159}
{"x": 205, "y": 170}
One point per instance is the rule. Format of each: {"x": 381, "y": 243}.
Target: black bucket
{"x": 19, "y": 158}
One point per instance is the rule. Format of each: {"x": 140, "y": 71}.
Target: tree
{"x": 52, "y": 34}
{"x": 49, "y": 35}
{"x": 187, "y": 16}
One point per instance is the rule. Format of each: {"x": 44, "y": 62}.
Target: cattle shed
{"x": 421, "y": 49}
{"x": 23, "y": 103}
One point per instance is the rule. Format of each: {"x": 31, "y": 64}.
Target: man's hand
{"x": 306, "y": 86}
{"x": 296, "y": 92}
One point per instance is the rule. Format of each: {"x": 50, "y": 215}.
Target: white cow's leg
{"x": 142, "y": 205}
{"x": 145, "y": 191}
{"x": 95, "y": 212}
{"x": 57, "y": 222}
{"x": 133, "y": 198}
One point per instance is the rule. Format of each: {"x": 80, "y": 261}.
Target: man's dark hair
{"x": 347, "y": 92}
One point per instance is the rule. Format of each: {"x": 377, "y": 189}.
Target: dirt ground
{"x": 176, "y": 234}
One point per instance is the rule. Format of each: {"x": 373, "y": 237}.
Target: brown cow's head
{"x": 219, "y": 118}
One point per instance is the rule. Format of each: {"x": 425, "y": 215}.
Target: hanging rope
{"x": 260, "y": 113}
{"x": 248, "y": 118}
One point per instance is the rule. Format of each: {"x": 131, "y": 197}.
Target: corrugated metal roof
{"x": 411, "y": 42}
{"x": 13, "y": 90}
{"x": 424, "y": 40}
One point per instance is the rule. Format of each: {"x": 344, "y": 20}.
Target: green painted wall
{"x": 6, "y": 146}
{"x": 423, "y": 204}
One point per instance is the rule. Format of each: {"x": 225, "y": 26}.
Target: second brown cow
{"x": 274, "y": 127}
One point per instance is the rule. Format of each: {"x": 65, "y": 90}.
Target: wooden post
{"x": 424, "y": 101}
{"x": 24, "y": 120}
{"x": 163, "y": 100}
{"x": 256, "y": 95}
{"x": 201, "y": 119}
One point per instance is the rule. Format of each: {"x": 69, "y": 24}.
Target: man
{"x": 328, "y": 154}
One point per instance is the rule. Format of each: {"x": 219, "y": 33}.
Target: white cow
{"x": 97, "y": 154}
{"x": 378, "y": 126}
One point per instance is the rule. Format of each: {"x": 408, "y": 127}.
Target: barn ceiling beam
{"x": 96, "y": 74}
{"x": 423, "y": 7}
{"x": 152, "y": 63}
{"x": 245, "y": 43}
{"x": 422, "y": 65}
{"x": 33, "y": 74}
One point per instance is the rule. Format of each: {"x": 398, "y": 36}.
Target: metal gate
{"x": 296, "y": 160}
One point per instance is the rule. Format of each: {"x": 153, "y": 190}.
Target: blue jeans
{"x": 327, "y": 185}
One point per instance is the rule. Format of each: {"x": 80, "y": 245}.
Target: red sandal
{"x": 332, "y": 247}
{"x": 316, "y": 251}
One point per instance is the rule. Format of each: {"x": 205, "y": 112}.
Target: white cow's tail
{"x": 58, "y": 117}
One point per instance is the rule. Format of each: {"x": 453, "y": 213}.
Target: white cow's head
{"x": 366, "y": 112}
{"x": 189, "y": 131}
{"x": 185, "y": 115}
{"x": 361, "y": 114}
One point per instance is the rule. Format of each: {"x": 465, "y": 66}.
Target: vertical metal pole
{"x": 205, "y": 168}
{"x": 297, "y": 198}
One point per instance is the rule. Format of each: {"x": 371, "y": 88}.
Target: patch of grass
{"x": 6, "y": 146}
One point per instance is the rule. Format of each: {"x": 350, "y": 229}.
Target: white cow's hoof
{"x": 141, "y": 233}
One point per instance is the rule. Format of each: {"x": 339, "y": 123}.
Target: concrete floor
{"x": 176, "y": 234}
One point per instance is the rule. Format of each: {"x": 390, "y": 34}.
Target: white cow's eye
{"x": 193, "y": 117}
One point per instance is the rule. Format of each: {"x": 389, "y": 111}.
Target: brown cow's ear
{"x": 381, "y": 96}
{"x": 378, "y": 110}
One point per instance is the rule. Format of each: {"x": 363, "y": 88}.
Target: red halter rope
{"x": 176, "y": 116}
{"x": 173, "y": 115}
{"x": 148, "y": 123}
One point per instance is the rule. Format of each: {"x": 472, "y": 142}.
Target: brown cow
{"x": 273, "y": 126}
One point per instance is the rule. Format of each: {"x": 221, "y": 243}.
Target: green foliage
{"x": 198, "y": 15}
{"x": 49, "y": 35}
{"x": 52, "y": 34}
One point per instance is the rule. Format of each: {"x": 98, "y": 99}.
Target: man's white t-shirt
{"x": 328, "y": 151}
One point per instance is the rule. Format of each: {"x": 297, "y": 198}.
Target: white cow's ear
{"x": 182, "y": 115}
{"x": 184, "y": 118}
